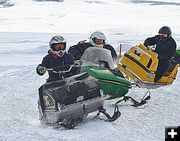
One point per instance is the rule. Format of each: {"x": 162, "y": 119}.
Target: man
{"x": 165, "y": 47}
{"x": 97, "y": 39}
{"x": 57, "y": 58}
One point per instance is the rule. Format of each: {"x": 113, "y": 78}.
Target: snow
{"x": 25, "y": 30}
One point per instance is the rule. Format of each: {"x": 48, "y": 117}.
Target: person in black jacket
{"x": 57, "y": 58}
{"x": 97, "y": 39}
{"x": 165, "y": 47}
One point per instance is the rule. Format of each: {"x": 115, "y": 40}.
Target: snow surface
{"x": 25, "y": 30}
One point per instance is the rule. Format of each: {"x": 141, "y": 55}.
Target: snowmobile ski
{"x": 135, "y": 102}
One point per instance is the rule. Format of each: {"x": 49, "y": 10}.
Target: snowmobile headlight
{"x": 80, "y": 98}
{"x": 59, "y": 106}
{"x": 101, "y": 92}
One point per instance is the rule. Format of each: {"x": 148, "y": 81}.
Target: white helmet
{"x": 97, "y": 35}
{"x": 57, "y": 40}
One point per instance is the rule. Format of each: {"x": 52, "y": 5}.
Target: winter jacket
{"x": 78, "y": 50}
{"x": 58, "y": 63}
{"x": 165, "y": 47}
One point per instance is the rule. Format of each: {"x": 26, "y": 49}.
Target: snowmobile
{"x": 68, "y": 101}
{"x": 98, "y": 63}
{"x": 140, "y": 65}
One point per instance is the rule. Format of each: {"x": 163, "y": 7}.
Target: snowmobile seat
{"x": 54, "y": 84}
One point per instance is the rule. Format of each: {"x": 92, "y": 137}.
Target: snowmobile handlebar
{"x": 76, "y": 64}
{"x": 61, "y": 71}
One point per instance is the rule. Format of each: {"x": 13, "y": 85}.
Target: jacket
{"x": 58, "y": 63}
{"x": 78, "y": 50}
{"x": 165, "y": 47}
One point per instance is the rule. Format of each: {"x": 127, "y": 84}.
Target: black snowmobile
{"x": 68, "y": 101}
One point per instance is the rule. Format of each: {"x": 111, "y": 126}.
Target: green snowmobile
{"x": 98, "y": 63}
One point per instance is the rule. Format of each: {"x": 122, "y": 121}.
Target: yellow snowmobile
{"x": 140, "y": 65}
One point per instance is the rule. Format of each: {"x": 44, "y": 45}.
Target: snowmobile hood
{"x": 140, "y": 64}
{"x": 106, "y": 75}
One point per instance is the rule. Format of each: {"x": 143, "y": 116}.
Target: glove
{"x": 77, "y": 63}
{"x": 151, "y": 47}
{"x": 41, "y": 70}
{"x": 82, "y": 42}
{"x": 117, "y": 73}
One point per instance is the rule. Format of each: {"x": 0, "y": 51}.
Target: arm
{"x": 76, "y": 51}
{"x": 41, "y": 68}
{"x": 150, "y": 41}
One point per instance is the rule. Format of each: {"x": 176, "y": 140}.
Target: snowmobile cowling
{"x": 70, "y": 98}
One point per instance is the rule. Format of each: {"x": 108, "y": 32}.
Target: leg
{"x": 162, "y": 68}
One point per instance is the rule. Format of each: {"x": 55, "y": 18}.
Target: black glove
{"x": 41, "y": 70}
{"x": 78, "y": 63}
{"x": 117, "y": 73}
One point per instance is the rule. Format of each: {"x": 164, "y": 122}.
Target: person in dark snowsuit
{"x": 97, "y": 39}
{"x": 57, "y": 58}
{"x": 165, "y": 47}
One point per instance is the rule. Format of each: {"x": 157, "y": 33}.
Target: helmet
{"x": 97, "y": 35}
{"x": 165, "y": 30}
{"x": 57, "y": 40}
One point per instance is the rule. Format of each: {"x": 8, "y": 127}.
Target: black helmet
{"x": 165, "y": 30}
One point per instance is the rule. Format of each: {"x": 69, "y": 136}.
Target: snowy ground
{"x": 25, "y": 30}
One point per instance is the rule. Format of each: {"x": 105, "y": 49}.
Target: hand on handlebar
{"x": 41, "y": 70}
{"x": 77, "y": 63}
{"x": 151, "y": 47}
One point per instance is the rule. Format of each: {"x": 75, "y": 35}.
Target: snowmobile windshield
{"x": 94, "y": 56}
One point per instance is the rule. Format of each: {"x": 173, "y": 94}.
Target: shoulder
{"x": 68, "y": 55}
{"x": 47, "y": 57}
{"x": 46, "y": 60}
{"x": 157, "y": 37}
{"x": 154, "y": 37}
{"x": 78, "y": 46}
{"x": 85, "y": 45}
{"x": 108, "y": 46}
{"x": 152, "y": 40}
{"x": 172, "y": 41}
{"x": 88, "y": 44}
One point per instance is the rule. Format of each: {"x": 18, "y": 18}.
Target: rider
{"x": 165, "y": 47}
{"x": 57, "y": 58}
{"x": 97, "y": 39}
